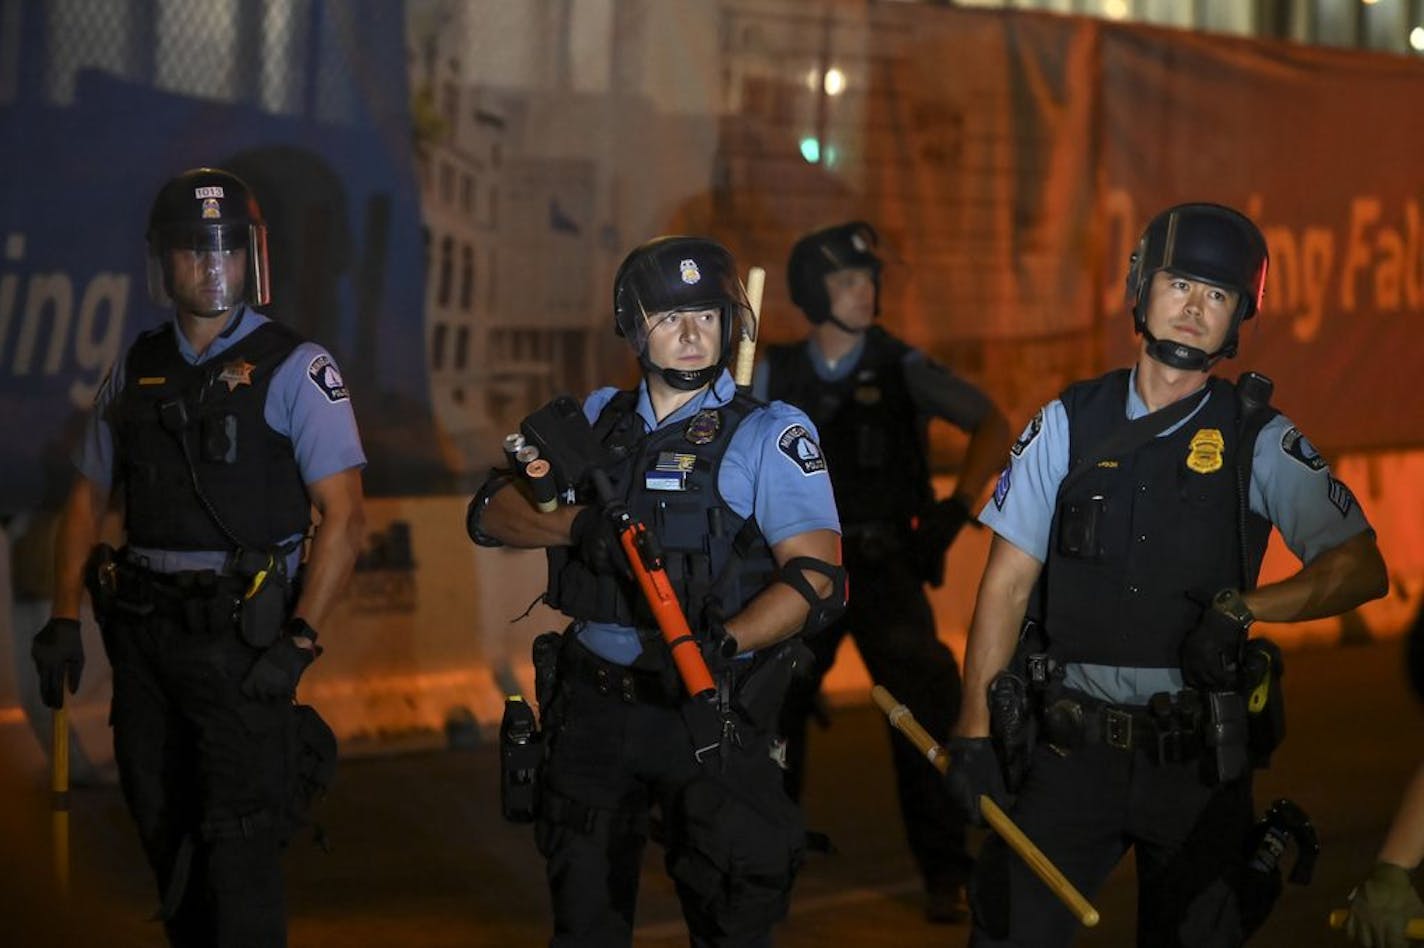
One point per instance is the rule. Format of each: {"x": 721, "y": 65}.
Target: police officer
{"x": 736, "y": 492}
{"x": 219, "y": 431}
{"x": 1136, "y": 548}
{"x": 872, "y": 396}
{"x": 1386, "y": 901}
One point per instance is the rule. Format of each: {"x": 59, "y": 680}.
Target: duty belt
{"x": 632, "y": 685}
{"x": 138, "y": 591}
{"x": 1072, "y": 721}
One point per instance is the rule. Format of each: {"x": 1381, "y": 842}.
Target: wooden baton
{"x": 746, "y": 346}
{"x": 904, "y": 722}
{"x": 59, "y": 794}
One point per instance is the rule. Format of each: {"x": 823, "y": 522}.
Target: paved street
{"x": 421, "y": 858}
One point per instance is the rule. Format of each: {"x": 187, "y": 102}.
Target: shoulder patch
{"x": 327, "y": 378}
{"x": 1029, "y": 433}
{"x": 1341, "y": 497}
{"x": 1299, "y": 449}
{"x": 797, "y": 444}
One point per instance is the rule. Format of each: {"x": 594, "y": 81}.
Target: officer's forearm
{"x": 993, "y": 633}
{"x": 777, "y": 612}
{"x": 339, "y": 535}
{"x": 1404, "y": 844}
{"x": 984, "y": 457}
{"x": 77, "y": 533}
{"x": 1336, "y": 581}
{"x": 511, "y": 518}
{"x": 334, "y": 549}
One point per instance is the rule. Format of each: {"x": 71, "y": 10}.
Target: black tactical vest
{"x": 247, "y": 471}
{"x": 872, "y": 434}
{"x": 1140, "y": 543}
{"x": 717, "y": 561}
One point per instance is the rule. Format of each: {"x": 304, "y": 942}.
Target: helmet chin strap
{"x": 1188, "y": 358}
{"x": 689, "y": 381}
{"x": 843, "y": 327}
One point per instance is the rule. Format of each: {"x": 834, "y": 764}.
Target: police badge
{"x": 703, "y": 426}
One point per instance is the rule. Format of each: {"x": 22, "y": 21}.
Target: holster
{"x": 1227, "y": 757}
{"x": 545, "y": 655}
{"x": 1013, "y": 726}
{"x": 102, "y": 581}
{"x": 521, "y": 758}
{"x": 760, "y": 692}
{"x": 312, "y": 753}
{"x": 265, "y": 602}
{"x": 1265, "y": 701}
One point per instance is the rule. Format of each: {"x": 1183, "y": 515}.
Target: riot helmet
{"x": 1206, "y": 242}
{"x": 843, "y": 247}
{"x": 680, "y": 274}
{"x": 199, "y": 222}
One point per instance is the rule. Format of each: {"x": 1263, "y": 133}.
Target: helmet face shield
{"x": 680, "y": 275}
{"x": 205, "y": 273}
{"x": 207, "y": 244}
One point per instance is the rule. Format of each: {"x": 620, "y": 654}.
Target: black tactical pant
{"x": 893, "y": 626}
{"x": 203, "y": 770}
{"x": 1085, "y": 810}
{"x": 611, "y": 757}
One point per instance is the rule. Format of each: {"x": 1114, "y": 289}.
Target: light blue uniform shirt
{"x": 306, "y": 403}
{"x": 763, "y": 475}
{"x": 1291, "y": 486}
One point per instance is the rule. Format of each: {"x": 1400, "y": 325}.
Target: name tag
{"x": 670, "y": 471}
{"x": 665, "y": 480}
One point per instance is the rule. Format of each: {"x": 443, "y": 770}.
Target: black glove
{"x": 58, "y": 652}
{"x": 938, "y": 527}
{"x": 1211, "y": 653}
{"x": 974, "y": 772}
{"x": 278, "y": 669}
{"x": 594, "y": 535}
{"x": 718, "y": 649}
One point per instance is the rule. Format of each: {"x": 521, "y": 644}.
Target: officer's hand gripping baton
{"x": 59, "y": 794}
{"x": 645, "y": 556}
{"x": 1413, "y": 930}
{"x": 746, "y": 346}
{"x": 904, "y": 722}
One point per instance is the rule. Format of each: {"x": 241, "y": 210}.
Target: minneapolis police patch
{"x": 1029, "y": 433}
{"x": 1301, "y": 451}
{"x": 325, "y": 376}
{"x": 796, "y": 443}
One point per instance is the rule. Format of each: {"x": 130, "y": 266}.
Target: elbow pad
{"x": 824, "y": 609}
{"x": 498, "y": 479}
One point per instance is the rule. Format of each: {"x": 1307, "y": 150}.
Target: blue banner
{"x": 345, "y": 242}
